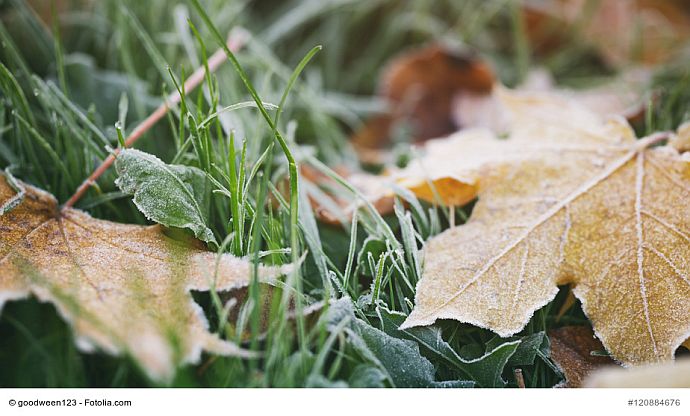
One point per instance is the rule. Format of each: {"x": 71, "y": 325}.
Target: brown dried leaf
{"x": 420, "y": 86}
{"x": 567, "y": 199}
{"x": 571, "y": 350}
{"x": 666, "y": 375}
{"x": 123, "y": 288}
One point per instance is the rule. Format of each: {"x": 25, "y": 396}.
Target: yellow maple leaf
{"x": 566, "y": 200}
{"x": 123, "y": 288}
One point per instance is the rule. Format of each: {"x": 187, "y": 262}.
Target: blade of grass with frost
{"x": 307, "y": 223}
{"x": 325, "y": 348}
{"x": 149, "y": 45}
{"x": 221, "y": 312}
{"x": 14, "y": 92}
{"x": 408, "y": 238}
{"x": 209, "y": 79}
{"x": 10, "y": 48}
{"x": 182, "y": 109}
{"x": 41, "y": 141}
{"x": 294, "y": 194}
{"x": 370, "y": 207}
{"x": 376, "y": 285}
{"x": 11, "y": 88}
{"x": 236, "y": 199}
{"x": 199, "y": 144}
{"x": 316, "y": 105}
{"x": 54, "y": 91}
{"x": 71, "y": 118}
{"x": 293, "y": 77}
{"x": 311, "y": 234}
{"x": 351, "y": 252}
{"x": 233, "y": 107}
{"x": 419, "y": 214}
{"x": 254, "y": 250}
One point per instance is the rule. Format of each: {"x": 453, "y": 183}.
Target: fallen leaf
{"x": 420, "y": 86}
{"x": 566, "y": 199}
{"x": 123, "y": 288}
{"x": 624, "y": 95}
{"x": 666, "y": 375}
{"x": 571, "y": 351}
{"x": 623, "y": 31}
{"x": 449, "y": 168}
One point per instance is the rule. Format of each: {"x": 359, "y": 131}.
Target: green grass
{"x": 278, "y": 103}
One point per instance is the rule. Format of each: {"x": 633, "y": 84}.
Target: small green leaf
{"x": 367, "y": 376}
{"x": 530, "y": 346}
{"x": 171, "y": 195}
{"x": 398, "y": 359}
{"x": 485, "y": 370}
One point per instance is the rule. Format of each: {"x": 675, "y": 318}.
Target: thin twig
{"x": 235, "y": 42}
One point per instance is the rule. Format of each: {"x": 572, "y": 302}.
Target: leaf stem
{"x": 234, "y": 43}
{"x": 653, "y": 139}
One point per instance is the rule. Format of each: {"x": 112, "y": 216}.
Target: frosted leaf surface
{"x": 123, "y": 288}
{"x": 398, "y": 359}
{"x": 172, "y": 195}
{"x": 449, "y": 169}
{"x": 485, "y": 370}
{"x": 567, "y": 200}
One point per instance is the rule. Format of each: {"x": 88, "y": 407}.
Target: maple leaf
{"x": 450, "y": 168}
{"x": 567, "y": 200}
{"x": 123, "y": 288}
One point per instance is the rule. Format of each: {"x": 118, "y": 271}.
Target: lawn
{"x": 77, "y": 78}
